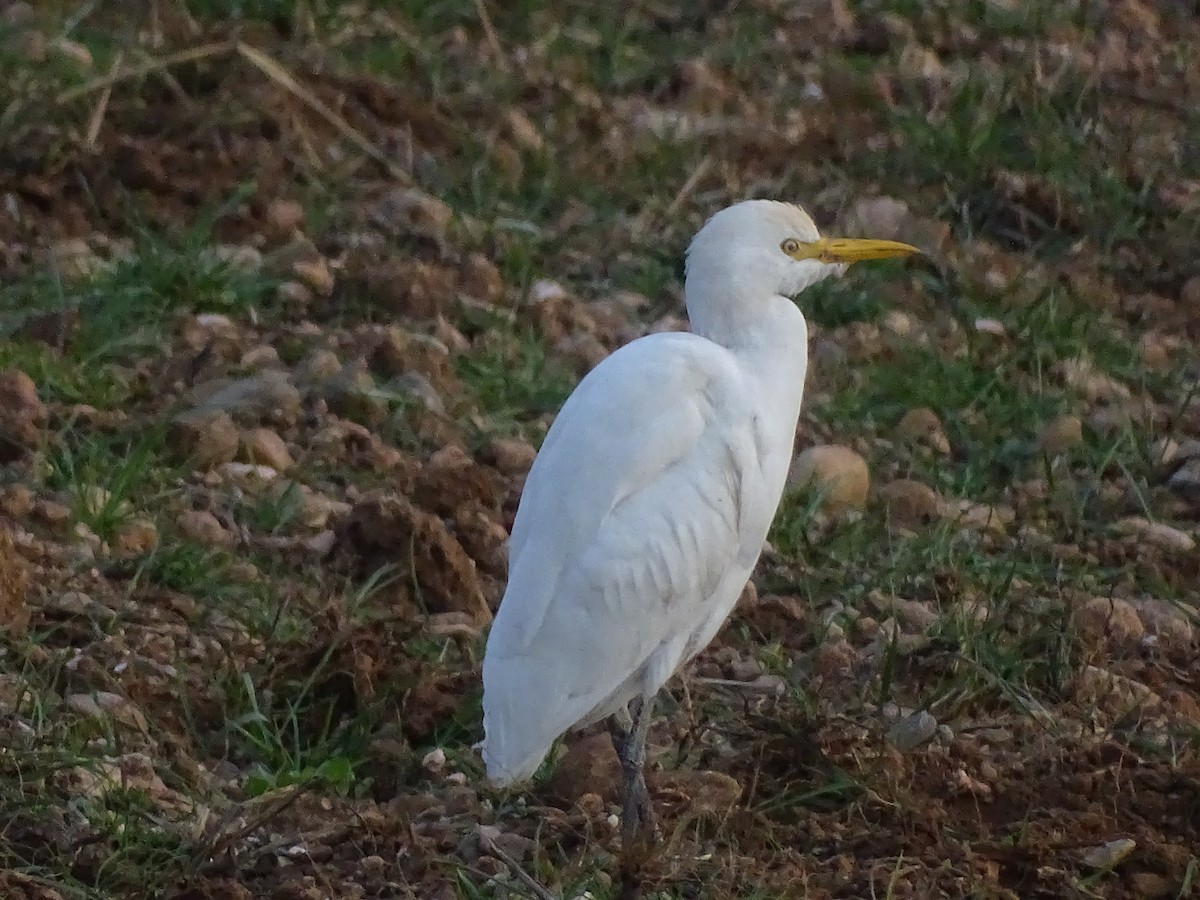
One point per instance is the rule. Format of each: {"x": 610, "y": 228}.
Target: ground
{"x": 289, "y": 292}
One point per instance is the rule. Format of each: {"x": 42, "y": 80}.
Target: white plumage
{"x": 650, "y": 500}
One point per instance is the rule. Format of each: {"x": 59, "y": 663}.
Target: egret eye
{"x": 791, "y": 246}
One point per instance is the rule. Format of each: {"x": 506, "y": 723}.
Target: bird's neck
{"x": 758, "y": 326}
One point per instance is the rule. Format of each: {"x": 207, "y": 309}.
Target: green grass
{"x": 515, "y": 380}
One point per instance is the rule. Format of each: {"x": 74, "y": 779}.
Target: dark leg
{"x": 628, "y": 730}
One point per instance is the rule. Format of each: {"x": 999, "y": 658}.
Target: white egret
{"x": 649, "y": 502}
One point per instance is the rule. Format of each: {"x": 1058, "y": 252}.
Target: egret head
{"x": 766, "y": 248}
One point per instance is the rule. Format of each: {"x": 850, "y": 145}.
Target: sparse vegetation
{"x": 291, "y": 289}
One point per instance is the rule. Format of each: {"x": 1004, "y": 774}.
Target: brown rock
{"x": 589, "y": 766}
{"x": 319, "y": 366}
{"x": 315, "y": 274}
{"x": 909, "y": 503}
{"x": 1061, "y": 435}
{"x": 838, "y": 474}
{"x": 409, "y": 211}
{"x": 22, "y": 414}
{"x": 922, "y": 426}
{"x": 1189, "y": 294}
{"x": 1157, "y": 534}
{"x": 406, "y": 288}
{"x": 1169, "y": 625}
{"x": 17, "y": 501}
{"x": 1109, "y": 620}
{"x": 714, "y": 793}
{"x": 267, "y": 395}
{"x": 265, "y": 447}
{"x": 352, "y": 395}
{"x": 136, "y": 538}
{"x": 18, "y": 886}
{"x": 203, "y": 527}
{"x": 836, "y": 657}
{"x": 14, "y": 585}
{"x": 284, "y": 217}
{"x": 398, "y": 352}
{"x": 511, "y": 456}
{"x": 206, "y": 437}
{"x": 481, "y": 279}
{"x": 384, "y": 527}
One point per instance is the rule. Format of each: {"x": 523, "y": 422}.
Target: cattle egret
{"x": 649, "y": 502}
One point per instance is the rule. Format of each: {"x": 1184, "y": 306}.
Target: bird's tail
{"x": 516, "y": 733}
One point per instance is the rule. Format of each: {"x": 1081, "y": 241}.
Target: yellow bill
{"x": 851, "y": 250}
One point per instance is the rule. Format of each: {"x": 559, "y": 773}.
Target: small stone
{"x": 203, "y": 527}
{"x": 409, "y": 211}
{"x": 434, "y": 761}
{"x": 415, "y": 386}
{"x": 398, "y": 352}
{"x": 1106, "y": 856}
{"x": 1157, "y": 534}
{"x": 912, "y": 731}
{"x": 1097, "y": 387}
{"x": 268, "y": 395}
{"x": 241, "y": 257}
{"x": 991, "y": 326}
{"x": 1155, "y": 351}
{"x": 1168, "y": 625}
{"x": 839, "y": 474}
{"x": 589, "y": 767}
{"x": 264, "y": 356}
{"x": 315, "y": 274}
{"x": 294, "y": 295}
{"x": 1185, "y": 481}
{"x": 207, "y": 438}
{"x": 264, "y": 446}
{"x": 545, "y": 291}
{"x": 909, "y": 503}
{"x": 17, "y": 501}
{"x": 834, "y": 657}
{"x": 1061, "y": 435}
{"x": 85, "y": 705}
{"x": 320, "y": 366}
{"x": 136, "y": 538}
{"x": 523, "y": 131}
{"x": 22, "y": 414}
{"x": 1113, "y": 620}
{"x": 511, "y": 456}
{"x": 75, "y": 259}
{"x": 1151, "y": 886}
{"x": 1189, "y": 294}
{"x": 481, "y": 279}
{"x": 352, "y": 394}
{"x": 284, "y": 217}
{"x": 921, "y": 425}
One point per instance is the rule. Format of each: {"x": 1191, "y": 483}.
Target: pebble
{"x": 1113, "y": 620}
{"x": 912, "y": 731}
{"x": 22, "y": 414}
{"x": 262, "y": 445}
{"x": 207, "y": 438}
{"x": 511, "y": 456}
{"x": 1061, "y": 435}
{"x": 1108, "y": 855}
{"x": 922, "y": 425}
{"x": 909, "y": 503}
{"x": 1157, "y": 534}
{"x": 202, "y": 526}
{"x": 840, "y": 476}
